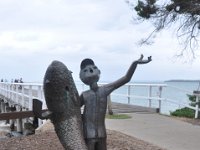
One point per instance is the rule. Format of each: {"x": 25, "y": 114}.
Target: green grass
{"x": 184, "y": 112}
{"x": 118, "y": 116}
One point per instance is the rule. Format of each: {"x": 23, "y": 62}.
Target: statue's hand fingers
{"x": 149, "y": 58}
{"x": 141, "y": 57}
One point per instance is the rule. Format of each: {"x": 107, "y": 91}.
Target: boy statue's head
{"x": 89, "y": 72}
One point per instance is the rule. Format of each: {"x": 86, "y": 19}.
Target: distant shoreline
{"x": 182, "y": 80}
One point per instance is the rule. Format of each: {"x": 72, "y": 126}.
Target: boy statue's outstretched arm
{"x": 133, "y": 66}
{"x": 125, "y": 79}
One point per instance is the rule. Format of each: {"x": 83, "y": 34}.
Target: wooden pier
{"x": 128, "y": 108}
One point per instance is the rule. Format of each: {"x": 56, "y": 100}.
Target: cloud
{"x": 35, "y": 32}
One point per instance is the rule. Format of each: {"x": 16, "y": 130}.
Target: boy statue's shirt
{"x": 95, "y": 106}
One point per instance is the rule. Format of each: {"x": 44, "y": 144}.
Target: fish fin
{"x": 47, "y": 114}
{"x": 76, "y": 99}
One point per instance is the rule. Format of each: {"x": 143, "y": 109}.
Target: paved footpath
{"x": 163, "y": 131}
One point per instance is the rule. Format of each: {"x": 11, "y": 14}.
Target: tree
{"x": 168, "y": 13}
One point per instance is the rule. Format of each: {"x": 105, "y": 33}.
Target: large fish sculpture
{"x": 63, "y": 104}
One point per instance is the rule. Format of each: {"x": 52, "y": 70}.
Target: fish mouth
{"x": 56, "y": 63}
{"x": 56, "y": 74}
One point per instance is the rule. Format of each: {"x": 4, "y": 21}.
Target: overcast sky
{"x": 33, "y": 33}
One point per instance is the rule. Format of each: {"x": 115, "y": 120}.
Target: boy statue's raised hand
{"x": 141, "y": 61}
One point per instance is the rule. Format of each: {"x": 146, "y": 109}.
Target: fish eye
{"x": 67, "y": 88}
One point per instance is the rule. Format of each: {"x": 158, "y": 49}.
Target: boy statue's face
{"x": 89, "y": 74}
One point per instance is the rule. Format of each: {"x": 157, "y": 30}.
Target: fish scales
{"x": 63, "y": 102}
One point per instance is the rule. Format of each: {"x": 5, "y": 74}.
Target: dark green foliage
{"x": 190, "y": 7}
{"x": 186, "y": 112}
{"x": 183, "y": 112}
{"x": 192, "y": 98}
{"x": 145, "y": 10}
{"x": 187, "y": 7}
{"x": 186, "y": 13}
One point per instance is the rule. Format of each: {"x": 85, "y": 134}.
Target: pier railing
{"x": 154, "y": 92}
{"x": 22, "y": 94}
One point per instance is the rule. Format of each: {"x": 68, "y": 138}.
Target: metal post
{"x": 24, "y": 105}
{"x": 11, "y": 91}
{"x": 129, "y": 93}
{"x": 3, "y": 89}
{"x": 30, "y": 97}
{"x": 197, "y": 107}
{"x": 0, "y": 88}
{"x": 7, "y": 91}
{"x": 2, "y": 107}
{"x": 39, "y": 94}
{"x": 14, "y": 92}
{"x": 7, "y": 110}
{"x": 12, "y": 121}
{"x": 23, "y": 99}
{"x": 109, "y": 103}
{"x": 160, "y": 95}
{"x": 17, "y": 94}
{"x": 149, "y": 95}
{"x": 19, "y": 121}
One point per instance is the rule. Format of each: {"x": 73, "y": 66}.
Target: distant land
{"x": 181, "y": 80}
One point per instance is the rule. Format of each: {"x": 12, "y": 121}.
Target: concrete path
{"x": 163, "y": 131}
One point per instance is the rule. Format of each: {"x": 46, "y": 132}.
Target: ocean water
{"x": 174, "y": 92}
{"x": 179, "y": 92}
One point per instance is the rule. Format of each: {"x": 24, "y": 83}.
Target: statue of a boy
{"x": 95, "y": 101}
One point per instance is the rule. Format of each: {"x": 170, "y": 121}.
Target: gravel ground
{"x": 46, "y": 138}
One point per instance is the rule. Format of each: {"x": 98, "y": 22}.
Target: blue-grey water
{"x": 174, "y": 91}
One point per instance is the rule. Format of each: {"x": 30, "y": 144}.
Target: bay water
{"x": 175, "y": 92}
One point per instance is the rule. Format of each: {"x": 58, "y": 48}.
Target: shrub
{"x": 183, "y": 112}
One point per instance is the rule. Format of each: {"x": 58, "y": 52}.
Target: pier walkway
{"x": 165, "y": 132}
{"x": 128, "y": 108}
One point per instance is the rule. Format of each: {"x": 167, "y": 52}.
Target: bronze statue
{"x": 95, "y": 101}
{"x": 63, "y": 104}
